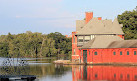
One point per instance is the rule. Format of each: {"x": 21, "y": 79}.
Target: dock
{"x": 17, "y": 77}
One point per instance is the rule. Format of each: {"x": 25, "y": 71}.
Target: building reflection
{"x": 105, "y": 73}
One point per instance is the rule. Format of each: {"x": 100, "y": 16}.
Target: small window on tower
{"x": 127, "y": 52}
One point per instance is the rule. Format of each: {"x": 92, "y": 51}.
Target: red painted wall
{"x": 107, "y": 56}
{"x": 104, "y": 73}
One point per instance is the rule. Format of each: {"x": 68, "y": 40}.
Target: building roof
{"x": 95, "y": 26}
{"x": 109, "y": 42}
{"x": 79, "y": 24}
{"x": 101, "y": 42}
{"x": 124, "y": 44}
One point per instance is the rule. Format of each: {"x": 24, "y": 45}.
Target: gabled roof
{"x": 116, "y": 27}
{"x": 101, "y": 42}
{"x": 79, "y": 24}
{"x": 95, "y": 26}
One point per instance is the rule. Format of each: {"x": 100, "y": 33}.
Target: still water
{"x": 45, "y": 70}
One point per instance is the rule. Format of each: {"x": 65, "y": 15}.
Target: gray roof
{"x": 95, "y": 26}
{"x": 109, "y": 42}
{"x": 124, "y": 44}
{"x": 101, "y": 42}
{"x": 79, "y": 24}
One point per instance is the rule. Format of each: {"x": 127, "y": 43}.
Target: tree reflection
{"x": 51, "y": 69}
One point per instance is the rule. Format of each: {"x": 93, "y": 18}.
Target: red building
{"x": 101, "y": 41}
{"x": 104, "y": 73}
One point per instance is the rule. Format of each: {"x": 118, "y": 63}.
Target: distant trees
{"x": 129, "y": 21}
{"x": 62, "y": 44}
{"x": 34, "y": 45}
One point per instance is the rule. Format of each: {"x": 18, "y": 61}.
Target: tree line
{"x": 34, "y": 45}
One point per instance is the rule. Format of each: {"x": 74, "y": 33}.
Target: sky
{"x": 46, "y": 16}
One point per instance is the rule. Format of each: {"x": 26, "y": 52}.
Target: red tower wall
{"x": 76, "y": 56}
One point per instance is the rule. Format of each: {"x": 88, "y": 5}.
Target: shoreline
{"x": 68, "y": 62}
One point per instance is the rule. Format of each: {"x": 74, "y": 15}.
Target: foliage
{"x": 129, "y": 21}
{"x": 34, "y": 45}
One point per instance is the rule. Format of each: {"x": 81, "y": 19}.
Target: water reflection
{"x": 42, "y": 68}
{"x": 46, "y": 71}
{"x": 107, "y": 73}
{"x": 51, "y": 72}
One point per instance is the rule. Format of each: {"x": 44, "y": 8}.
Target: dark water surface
{"x": 45, "y": 70}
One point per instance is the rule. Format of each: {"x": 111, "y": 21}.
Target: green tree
{"x": 129, "y": 21}
{"x": 34, "y": 45}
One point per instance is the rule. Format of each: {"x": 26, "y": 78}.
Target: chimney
{"x": 99, "y": 18}
{"x": 89, "y": 16}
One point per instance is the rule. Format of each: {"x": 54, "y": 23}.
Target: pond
{"x": 45, "y": 70}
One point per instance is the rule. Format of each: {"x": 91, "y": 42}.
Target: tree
{"x": 34, "y": 45}
{"x": 129, "y": 21}
{"x": 62, "y": 44}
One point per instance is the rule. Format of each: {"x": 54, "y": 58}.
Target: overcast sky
{"x": 46, "y": 16}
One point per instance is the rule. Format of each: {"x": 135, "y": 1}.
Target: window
{"x": 120, "y": 52}
{"x": 135, "y": 53}
{"x": 95, "y": 53}
{"x": 127, "y": 52}
{"x": 135, "y": 76}
{"x": 73, "y": 39}
{"x": 121, "y": 76}
{"x": 80, "y": 40}
{"x": 114, "y": 75}
{"x": 87, "y": 38}
{"x": 128, "y": 76}
{"x": 74, "y": 51}
{"x": 96, "y": 75}
{"x": 114, "y": 53}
